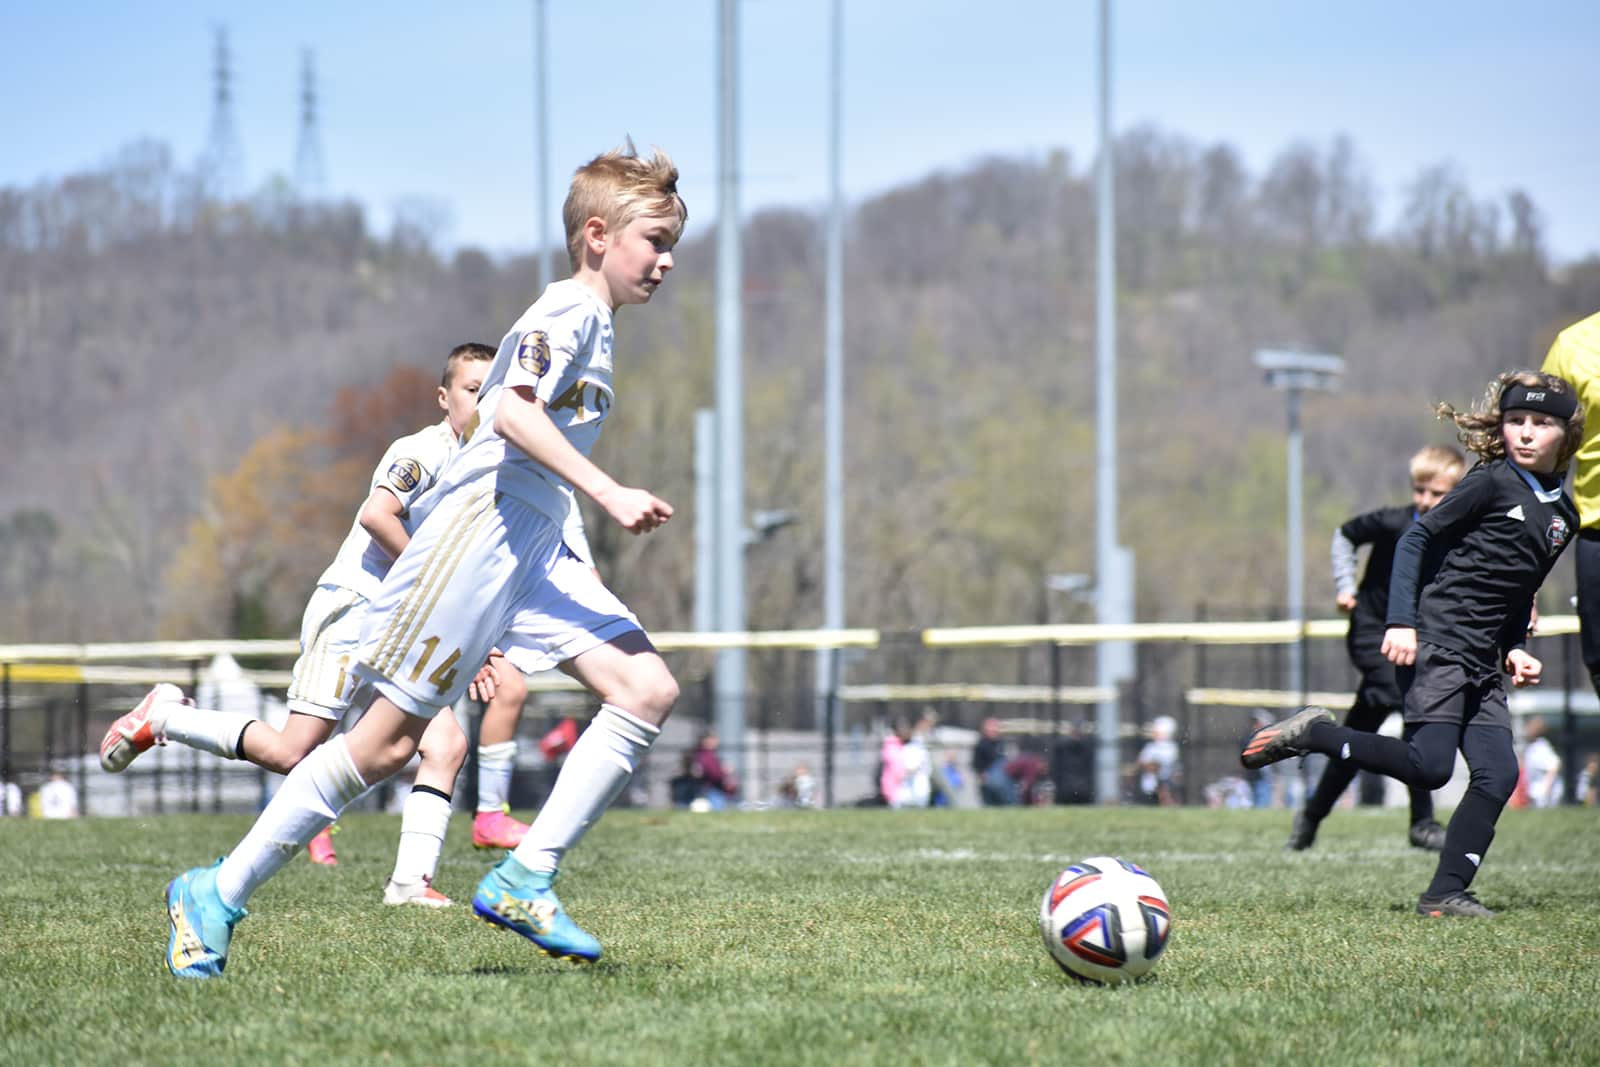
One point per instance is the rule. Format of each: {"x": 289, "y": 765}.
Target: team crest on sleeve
{"x": 1557, "y": 532}
{"x": 533, "y": 354}
{"x": 405, "y": 474}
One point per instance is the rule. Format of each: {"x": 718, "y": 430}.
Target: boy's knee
{"x": 1497, "y": 782}
{"x": 446, "y": 749}
{"x": 649, "y": 694}
{"x": 662, "y": 694}
{"x": 510, "y": 689}
{"x": 1436, "y": 774}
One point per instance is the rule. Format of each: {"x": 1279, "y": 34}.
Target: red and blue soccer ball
{"x": 1105, "y": 921}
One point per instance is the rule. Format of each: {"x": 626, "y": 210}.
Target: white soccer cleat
{"x": 418, "y": 892}
{"x": 139, "y": 730}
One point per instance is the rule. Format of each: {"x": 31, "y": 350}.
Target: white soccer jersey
{"x": 408, "y": 469}
{"x": 561, "y": 348}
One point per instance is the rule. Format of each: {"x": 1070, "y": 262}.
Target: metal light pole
{"x": 730, "y": 616}
{"x": 1113, "y": 563}
{"x": 541, "y": 110}
{"x": 828, "y": 674}
{"x": 1293, "y": 373}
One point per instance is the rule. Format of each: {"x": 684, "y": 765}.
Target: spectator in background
{"x": 1541, "y": 766}
{"x": 1158, "y": 763}
{"x": 995, "y": 786}
{"x": 916, "y": 767}
{"x": 947, "y": 781}
{"x": 1589, "y": 781}
{"x": 1073, "y": 767}
{"x": 891, "y": 768}
{"x": 11, "y": 800}
{"x": 1026, "y": 771}
{"x": 799, "y": 790}
{"x": 686, "y": 786}
{"x": 57, "y": 798}
{"x": 717, "y": 783}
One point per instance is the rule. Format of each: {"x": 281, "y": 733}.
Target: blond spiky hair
{"x": 618, "y": 187}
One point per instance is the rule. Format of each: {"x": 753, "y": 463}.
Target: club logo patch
{"x": 1557, "y": 532}
{"x": 405, "y": 474}
{"x": 533, "y": 354}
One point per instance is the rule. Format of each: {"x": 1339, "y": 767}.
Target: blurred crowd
{"x": 56, "y": 798}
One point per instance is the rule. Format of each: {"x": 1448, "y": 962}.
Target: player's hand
{"x": 636, "y": 510}
{"x": 486, "y": 681}
{"x": 1400, "y": 645}
{"x": 1523, "y": 668}
{"x": 1345, "y": 602}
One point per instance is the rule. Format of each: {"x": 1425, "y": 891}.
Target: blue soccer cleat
{"x": 517, "y": 899}
{"x": 202, "y": 925}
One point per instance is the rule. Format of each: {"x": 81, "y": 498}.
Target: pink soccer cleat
{"x": 320, "y": 848}
{"x": 497, "y": 829}
{"x": 139, "y": 730}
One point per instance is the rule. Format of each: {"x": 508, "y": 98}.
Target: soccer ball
{"x": 1105, "y": 921}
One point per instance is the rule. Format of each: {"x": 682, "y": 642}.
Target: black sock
{"x": 1470, "y": 831}
{"x": 431, "y": 789}
{"x": 1421, "y": 805}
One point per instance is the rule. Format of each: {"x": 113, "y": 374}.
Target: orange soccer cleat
{"x": 139, "y": 730}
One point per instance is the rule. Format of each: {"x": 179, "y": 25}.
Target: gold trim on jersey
{"x": 407, "y": 620}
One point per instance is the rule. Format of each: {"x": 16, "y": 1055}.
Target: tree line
{"x": 196, "y": 391}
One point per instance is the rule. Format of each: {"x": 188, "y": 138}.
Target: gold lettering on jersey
{"x": 405, "y": 474}
{"x": 585, "y": 400}
{"x": 533, "y": 354}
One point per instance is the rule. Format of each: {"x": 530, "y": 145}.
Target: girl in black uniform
{"x": 1434, "y": 470}
{"x": 1460, "y": 601}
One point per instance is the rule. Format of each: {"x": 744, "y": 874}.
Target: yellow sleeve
{"x": 1555, "y": 361}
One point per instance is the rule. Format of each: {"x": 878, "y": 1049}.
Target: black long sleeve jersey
{"x": 1382, "y": 529}
{"x": 1465, "y": 574}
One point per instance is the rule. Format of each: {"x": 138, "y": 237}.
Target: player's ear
{"x": 444, "y": 399}
{"x": 595, "y": 235}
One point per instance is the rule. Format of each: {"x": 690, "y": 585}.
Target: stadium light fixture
{"x": 1293, "y": 373}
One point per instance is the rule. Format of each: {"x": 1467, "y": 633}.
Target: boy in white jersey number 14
{"x": 324, "y": 684}
{"x": 487, "y": 567}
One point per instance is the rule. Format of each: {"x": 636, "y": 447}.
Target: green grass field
{"x": 851, "y": 937}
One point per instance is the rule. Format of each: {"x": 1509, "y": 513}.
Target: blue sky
{"x": 434, "y": 101}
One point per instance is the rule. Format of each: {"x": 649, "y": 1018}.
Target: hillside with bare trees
{"x": 194, "y": 393}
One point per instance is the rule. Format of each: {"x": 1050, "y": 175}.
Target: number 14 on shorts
{"x": 444, "y": 675}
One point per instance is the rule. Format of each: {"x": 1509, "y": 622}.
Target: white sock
{"x": 495, "y": 764}
{"x": 216, "y": 732}
{"x": 423, "y": 822}
{"x": 311, "y": 797}
{"x": 596, "y": 770}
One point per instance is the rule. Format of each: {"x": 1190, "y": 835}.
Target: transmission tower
{"x": 222, "y": 162}
{"x": 309, "y": 177}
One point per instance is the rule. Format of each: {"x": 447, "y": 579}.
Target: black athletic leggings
{"x": 1426, "y": 757}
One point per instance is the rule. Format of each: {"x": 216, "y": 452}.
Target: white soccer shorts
{"x": 324, "y": 681}
{"x": 483, "y": 570}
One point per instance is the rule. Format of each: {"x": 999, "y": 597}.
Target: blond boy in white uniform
{"x": 487, "y": 568}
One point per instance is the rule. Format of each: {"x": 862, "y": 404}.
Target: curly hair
{"x": 1478, "y": 430}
